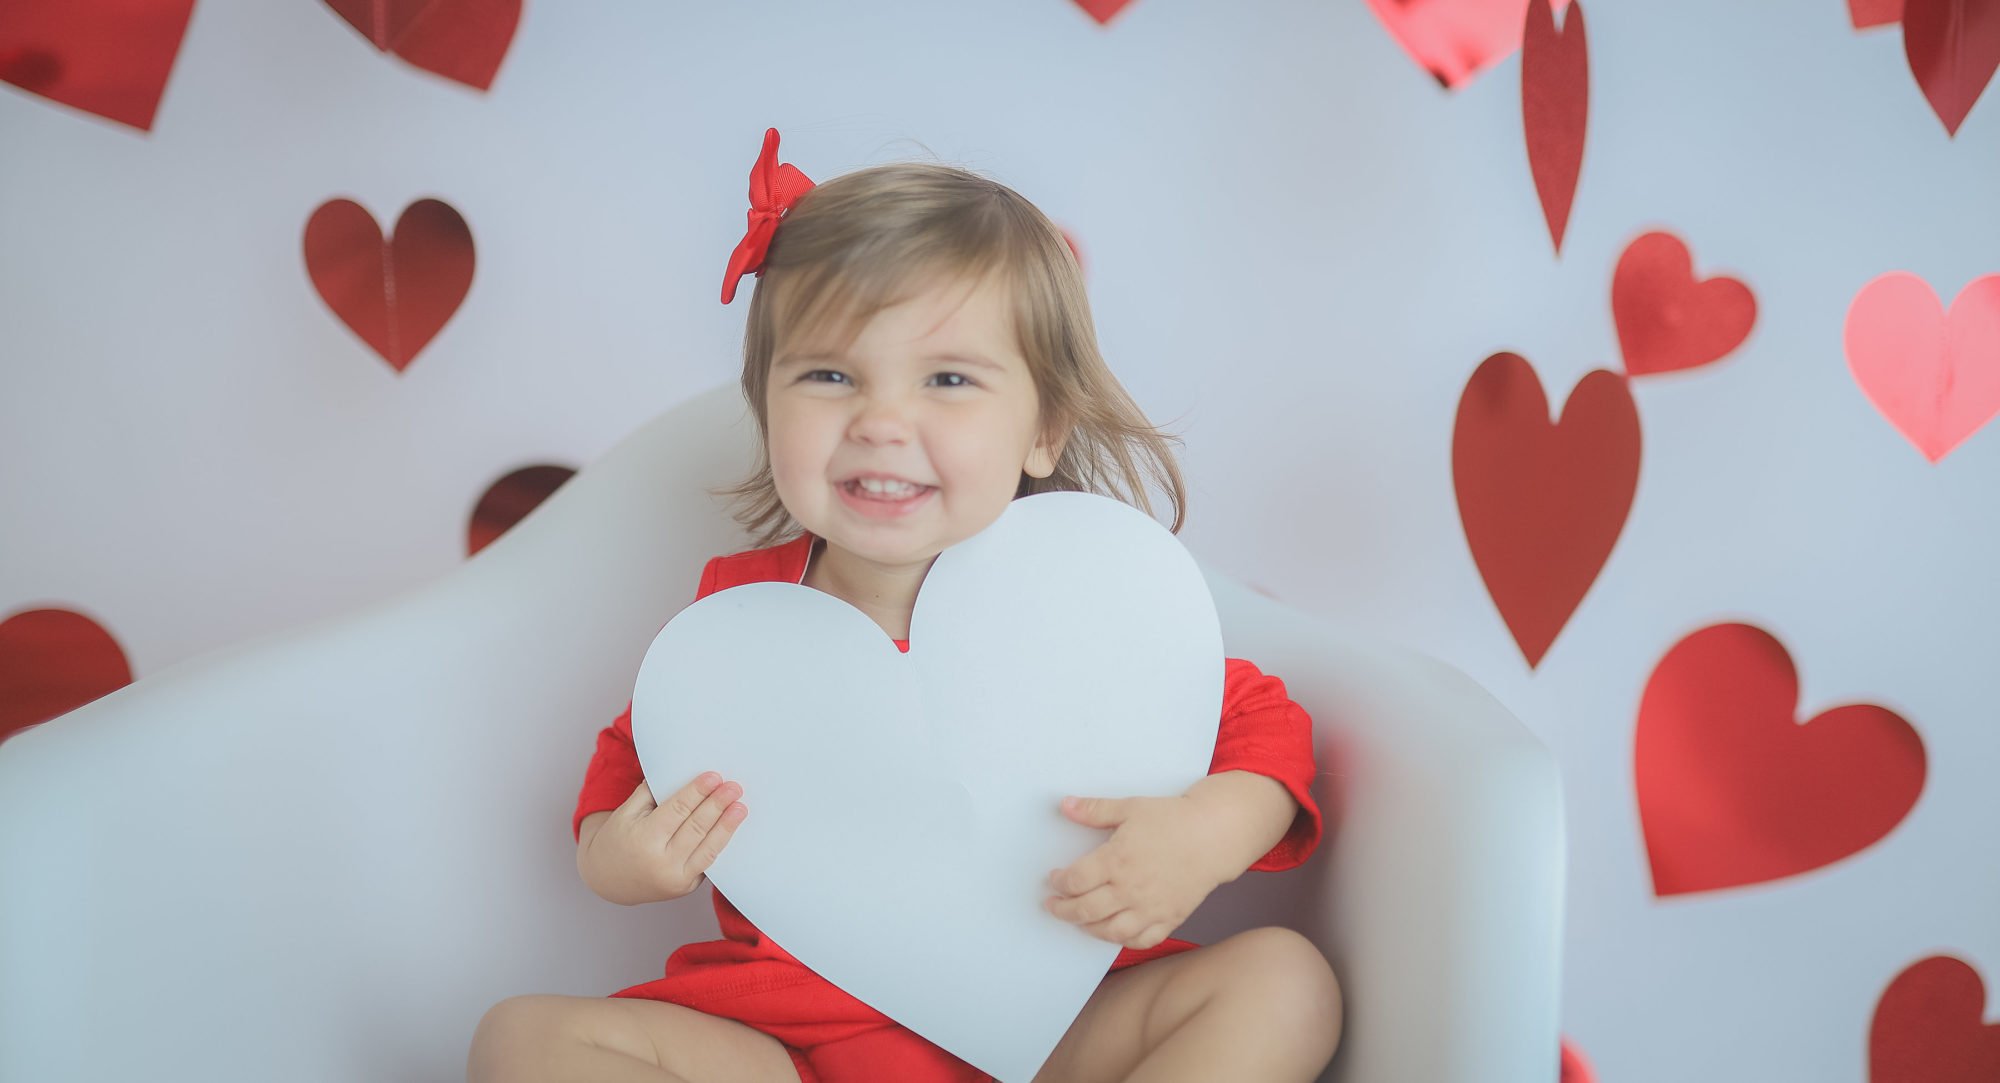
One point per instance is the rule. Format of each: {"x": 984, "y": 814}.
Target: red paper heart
{"x": 509, "y": 500}
{"x": 53, "y": 661}
{"x": 396, "y": 294}
{"x": 1666, "y": 319}
{"x": 1555, "y": 103}
{"x": 1867, "y": 13}
{"x": 1102, "y": 10}
{"x": 462, "y": 40}
{"x": 1927, "y": 1027}
{"x": 1733, "y": 790}
{"x": 1574, "y": 1067}
{"x": 1953, "y": 47}
{"x": 1542, "y": 503}
{"x": 1075, "y": 249}
{"x": 1936, "y": 377}
{"x": 108, "y": 57}
{"x": 1455, "y": 40}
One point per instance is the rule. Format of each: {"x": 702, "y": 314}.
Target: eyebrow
{"x": 973, "y": 359}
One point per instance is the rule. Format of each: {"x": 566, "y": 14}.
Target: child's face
{"x": 908, "y": 401}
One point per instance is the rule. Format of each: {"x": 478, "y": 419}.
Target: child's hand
{"x": 649, "y": 852}
{"x": 1144, "y": 881}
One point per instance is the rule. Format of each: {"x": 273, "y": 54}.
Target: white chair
{"x": 322, "y": 855}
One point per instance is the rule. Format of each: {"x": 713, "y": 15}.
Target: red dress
{"x": 830, "y": 1035}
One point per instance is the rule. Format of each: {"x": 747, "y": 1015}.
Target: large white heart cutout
{"x": 904, "y": 807}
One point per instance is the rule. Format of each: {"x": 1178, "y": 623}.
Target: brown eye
{"x": 962, "y": 381}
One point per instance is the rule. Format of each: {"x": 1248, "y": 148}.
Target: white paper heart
{"x": 904, "y": 806}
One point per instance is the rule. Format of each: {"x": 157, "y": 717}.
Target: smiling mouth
{"x": 887, "y": 494}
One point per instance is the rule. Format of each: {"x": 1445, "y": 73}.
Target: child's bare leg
{"x": 1262, "y": 1004}
{"x": 546, "y": 1038}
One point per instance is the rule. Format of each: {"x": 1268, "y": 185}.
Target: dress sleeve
{"x": 1264, "y": 731}
{"x": 614, "y": 770}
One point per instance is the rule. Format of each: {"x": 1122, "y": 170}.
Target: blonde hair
{"x": 868, "y": 239}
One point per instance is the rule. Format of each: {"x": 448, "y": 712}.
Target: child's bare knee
{"x": 514, "y": 1038}
{"x": 1292, "y": 981}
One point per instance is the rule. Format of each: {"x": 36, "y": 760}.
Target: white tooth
{"x": 877, "y": 485}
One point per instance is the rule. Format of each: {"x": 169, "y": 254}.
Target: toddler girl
{"x": 919, "y": 352}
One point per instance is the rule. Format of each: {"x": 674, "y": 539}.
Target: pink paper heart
{"x": 1102, "y": 10}
{"x": 1867, "y": 13}
{"x": 1455, "y": 40}
{"x": 1934, "y": 375}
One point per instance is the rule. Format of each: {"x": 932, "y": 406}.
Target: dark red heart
{"x": 1666, "y": 319}
{"x": 1927, "y": 1027}
{"x": 462, "y": 40}
{"x": 108, "y": 57}
{"x": 1542, "y": 502}
{"x": 1733, "y": 790}
{"x": 1953, "y": 47}
{"x": 53, "y": 661}
{"x": 396, "y": 294}
{"x": 1555, "y": 104}
{"x": 509, "y": 500}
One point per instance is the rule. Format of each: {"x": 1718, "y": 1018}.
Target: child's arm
{"x": 592, "y": 868}
{"x": 586, "y": 868}
{"x": 590, "y": 825}
{"x": 1251, "y": 813}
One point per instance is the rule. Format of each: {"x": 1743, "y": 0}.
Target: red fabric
{"x": 774, "y": 187}
{"x": 746, "y": 977}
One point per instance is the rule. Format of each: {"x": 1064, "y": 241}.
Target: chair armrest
{"x": 1439, "y": 894}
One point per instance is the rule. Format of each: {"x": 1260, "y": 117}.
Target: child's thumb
{"x": 1094, "y": 811}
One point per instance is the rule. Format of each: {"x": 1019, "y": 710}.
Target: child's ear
{"x": 1042, "y": 458}
{"x": 1051, "y": 444}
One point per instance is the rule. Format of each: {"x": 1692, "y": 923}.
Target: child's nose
{"x": 882, "y": 419}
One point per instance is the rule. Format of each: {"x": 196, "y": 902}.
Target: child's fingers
{"x": 641, "y": 800}
{"x": 689, "y": 836}
{"x": 684, "y": 801}
{"x": 718, "y": 837}
{"x": 1118, "y": 928}
{"x": 1089, "y": 873}
{"x": 1092, "y": 906}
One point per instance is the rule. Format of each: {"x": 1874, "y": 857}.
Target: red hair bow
{"x": 773, "y": 190}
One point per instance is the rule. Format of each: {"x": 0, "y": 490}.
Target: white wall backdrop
{"x": 1300, "y": 246}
